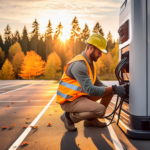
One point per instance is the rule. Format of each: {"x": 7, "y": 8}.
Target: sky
{"x": 20, "y": 13}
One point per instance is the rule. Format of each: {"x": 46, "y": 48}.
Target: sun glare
{"x": 63, "y": 38}
{"x": 65, "y": 33}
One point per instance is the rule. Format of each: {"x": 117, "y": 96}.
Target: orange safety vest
{"x": 70, "y": 89}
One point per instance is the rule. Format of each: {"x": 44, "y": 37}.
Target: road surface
{"x": 25, "y": 103}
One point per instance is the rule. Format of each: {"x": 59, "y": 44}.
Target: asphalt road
{"x": 31, "y": 102}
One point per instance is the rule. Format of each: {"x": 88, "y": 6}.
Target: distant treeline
{"x": 45, "y": 44}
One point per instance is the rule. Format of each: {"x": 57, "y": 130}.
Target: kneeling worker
{"x": 80, "y": 88}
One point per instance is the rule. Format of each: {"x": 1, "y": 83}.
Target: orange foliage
{"x": 24, "y": 143}
{"x": 34, "y": 127}
{"x": 4, "y": 127}
{"x": 13, "y": 125}
{"x": 32, "y": 66}
{"x": 49, "y": 124}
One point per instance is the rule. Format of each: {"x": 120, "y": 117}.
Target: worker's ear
{"x": 91, "y": 48}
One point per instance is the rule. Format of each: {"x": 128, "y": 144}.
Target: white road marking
{"x": 33, "y": 94}
{"x": 114, "y": 137}
{"x": 13, "y": 85}
{"x": 6, "y": 83}
{"x": 16, "y": 144}
{"x": 20, "y": 101}
{"x": 19, "y": 88}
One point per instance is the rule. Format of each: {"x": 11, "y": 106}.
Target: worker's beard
{"x": 93, "y": 57}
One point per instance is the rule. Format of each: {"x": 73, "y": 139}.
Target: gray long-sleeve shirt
{"x": 78, "y": 70}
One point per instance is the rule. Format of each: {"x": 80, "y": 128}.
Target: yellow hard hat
{"x": 98, "y": 41}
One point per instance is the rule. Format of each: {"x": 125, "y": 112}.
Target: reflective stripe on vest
{"x": 71, "y": 86}
{"x": 63, "y": 95}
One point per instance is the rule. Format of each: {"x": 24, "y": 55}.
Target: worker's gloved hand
{"x": 120, "y": 90}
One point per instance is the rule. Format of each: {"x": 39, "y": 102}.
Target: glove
{"x": 120, "y": 90}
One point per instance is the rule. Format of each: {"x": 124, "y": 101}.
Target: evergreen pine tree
{"x": 25, "y": 41}
{"x": 8, "y": 39}
{"x": 44, "y": 57}
{"x": 58, "y": 31}
{"x": 34, "y": 36}
{"x": 17, "y": 36}
{"x": 40, "y": 46}
{"x": 109, "y": 39}
{"x": 48, "y": 39}
{"x": 114, "y": 43}
{"x": 2, "y": 57}
{"x": 98, "y": 29}
{"x": 1, "y": 42}
{"x": 80, "y": 43}
{"x": 75, "y": 31}
{"x": 85, "y": 33}
{"x": 49, "y": 30}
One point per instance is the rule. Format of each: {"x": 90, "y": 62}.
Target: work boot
{"x": 94, "y": 123}
{"x": 69, "y": 125}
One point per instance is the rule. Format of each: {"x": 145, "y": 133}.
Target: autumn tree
{"x": 13, "y": 49}
{"x": 17, "y": 61}
{"x": 34, "y": 35}
{"x": 100, "y": 67}
{"x": 7, "y": 72}
{"x": 109, "y": 57}
{"x": 58, "y": 31}
{"x": 2, "y": 57}
{"x": 53, "y": 66}
{"x": 32, "y": 66}
{"x": 115, "y": 58}
{"x": 25, "y": 41}
{"x": 117, "y": 41}
{"x": 98, "y": 29}
{"x": 106, "y": 59}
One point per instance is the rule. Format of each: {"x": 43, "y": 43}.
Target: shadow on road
{"x": 100, "y": 137}
{"x": 68, "y": 141}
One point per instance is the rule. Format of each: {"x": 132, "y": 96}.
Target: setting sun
{"x": 64, "y": 36}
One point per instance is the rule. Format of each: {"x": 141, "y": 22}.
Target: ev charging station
{"x": 134, "y": 32}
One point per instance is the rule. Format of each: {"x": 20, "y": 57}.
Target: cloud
{"x": 91, "y": 11}
{"x": 25, "y": 11}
